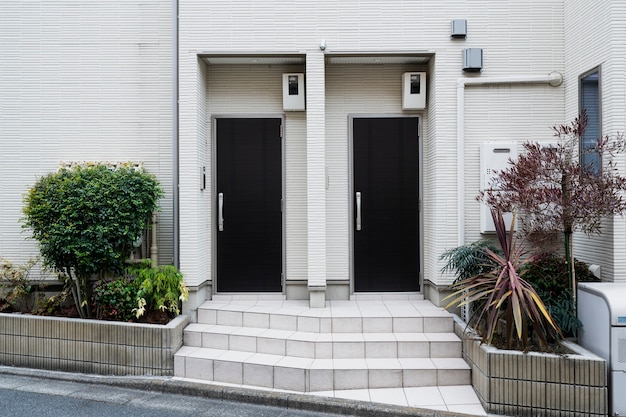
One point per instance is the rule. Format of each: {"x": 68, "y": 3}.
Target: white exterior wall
{"x": 595, "y": 33}
{"x": 82, "y": 81}
{"x": 518, "y": 38}
{"x": 86, "y": 80}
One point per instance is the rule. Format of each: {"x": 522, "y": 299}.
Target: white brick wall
{"x": 595, "y": 33}
{"x": 82, "y": 80}
{"x": 92, "y": 80}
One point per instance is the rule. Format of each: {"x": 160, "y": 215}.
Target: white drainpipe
{"x": 175, "y": 136}
{"x": 554, "y": 79}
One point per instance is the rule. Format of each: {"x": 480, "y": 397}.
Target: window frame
{"x": 583, "y": 104}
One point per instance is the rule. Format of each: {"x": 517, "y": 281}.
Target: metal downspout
{"x": 175, "y": 136}
{"x": 554, "y": 79}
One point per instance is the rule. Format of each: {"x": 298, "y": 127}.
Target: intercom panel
{"x": 293, "y": 92}
{"x": 414, "y": 91}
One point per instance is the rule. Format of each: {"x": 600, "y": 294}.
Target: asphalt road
{"x": 24, "y": 396}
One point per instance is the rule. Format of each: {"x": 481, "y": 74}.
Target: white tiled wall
{"x": 79, "y": 76}
{"x": 594, "y": 32}
{"x": 82, "y": 80}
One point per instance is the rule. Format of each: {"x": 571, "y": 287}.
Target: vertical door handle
{"x": 220, "y": 212}
{"x": 358, "y": 211}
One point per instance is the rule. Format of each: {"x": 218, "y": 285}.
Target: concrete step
{"x": 323, "y": 345}
{"x": 408, "y": 316}
{"x": 309, "y": 375}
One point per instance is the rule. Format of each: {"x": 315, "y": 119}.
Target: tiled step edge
{"x": 307, "y": 375}
{"x": 436, "y": 322}
{"x": 324, "y": 345}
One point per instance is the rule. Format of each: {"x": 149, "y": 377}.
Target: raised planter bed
{"x": 536, "y": 384}
{"x": 90, "y": 346}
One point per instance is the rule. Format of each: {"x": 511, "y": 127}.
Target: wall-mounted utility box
{"x": 458, "y": 29}
{"x": 414, "y": 91}
{"x": 293, "y": 92}
{"x": 494, "y": 157}
{"x": 472, "y": 59}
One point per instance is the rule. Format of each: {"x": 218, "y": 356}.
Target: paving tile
{"x": 473, "y": 409}
{"x": 226, "y": 371}
{"x": 424, "y": 396}
{"x": 353, "y": 394}
{"x": 389, "y": 396}
{"x": 459, "y": 394}
{"x": 258, "y": 375}
{"x": 350, "y": 378}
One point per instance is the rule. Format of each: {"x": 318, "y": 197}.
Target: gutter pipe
{"x": 553, "y": 79}
{"x": 175, "y": 136}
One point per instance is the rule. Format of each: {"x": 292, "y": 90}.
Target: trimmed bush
{"x": 86, "y": 219}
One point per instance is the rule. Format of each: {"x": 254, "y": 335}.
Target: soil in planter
{"x": 154, "y": 317}
{"x": 553, "y": 347}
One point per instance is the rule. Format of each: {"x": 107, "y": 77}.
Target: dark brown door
{"x": 249, "y": 192}
{"x": 385, "y": 204}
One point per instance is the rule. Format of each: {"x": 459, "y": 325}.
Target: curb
{"x": 285, "y": 400}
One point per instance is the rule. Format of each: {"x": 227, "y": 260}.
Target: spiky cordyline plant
{"x": 506, "y": 294}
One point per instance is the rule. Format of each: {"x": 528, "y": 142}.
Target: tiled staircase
{"x": 371, "y": 342}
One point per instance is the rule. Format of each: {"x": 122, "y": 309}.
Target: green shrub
{"x": 548, "y": 274}
{"x": 115, "y": 299}
{"x": 86, "y": 219}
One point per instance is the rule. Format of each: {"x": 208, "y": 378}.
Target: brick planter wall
{"x": 536, "y": 384}
{"x": 90, "y": 346}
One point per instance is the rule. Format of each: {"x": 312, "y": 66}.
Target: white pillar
{"x": 316, "y": 177}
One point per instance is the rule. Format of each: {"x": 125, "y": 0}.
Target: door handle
{"x": 220, "y": 212}
{"x": 358, "y": 211}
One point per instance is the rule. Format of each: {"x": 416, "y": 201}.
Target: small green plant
{"x": 15, "y": 286}
{"x": 51, "y": 305}
{"x": 160, "y": 288}
{"x": 548, "y": 274}
{"x": 506, "y": 294}
{"x": 115, "y": 299}
{"x": 469, "y": 260}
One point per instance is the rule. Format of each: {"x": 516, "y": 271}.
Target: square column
{"x": 316, "y": 177}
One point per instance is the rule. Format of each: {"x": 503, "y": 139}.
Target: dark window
{"x": 589, "y": 91}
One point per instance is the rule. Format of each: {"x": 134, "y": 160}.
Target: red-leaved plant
{"x": 503, "y": 294}
{"x": 555, "y": 190}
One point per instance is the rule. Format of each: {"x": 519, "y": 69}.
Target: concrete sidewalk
{"x": 151, "y": 385}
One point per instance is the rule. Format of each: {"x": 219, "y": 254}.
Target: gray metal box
{"x": 602, "y": 312}
{"x": 458, "y": 29}
{"x": 472, "y": 59}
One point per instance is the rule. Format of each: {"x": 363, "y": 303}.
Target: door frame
{"x": 213, "y": 194}
{"x": 351, "y": 214}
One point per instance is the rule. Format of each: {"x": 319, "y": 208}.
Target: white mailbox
{"x": 414, "y": 91}
{"x": 293, "y": 92}
{"x": 494, "y": 157}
